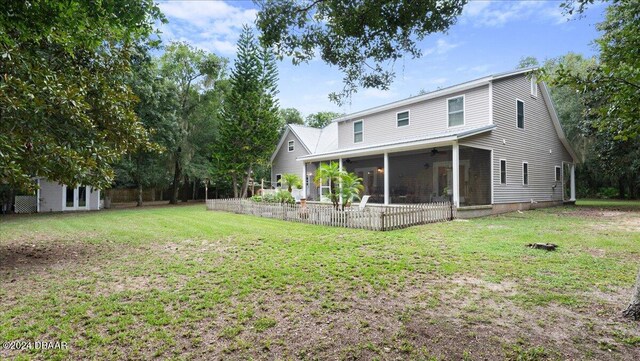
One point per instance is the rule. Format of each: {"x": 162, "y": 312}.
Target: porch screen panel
{"x": 475, "y": 176}
{"x": 411, "y": 179}
{"x": 371, "y": 170}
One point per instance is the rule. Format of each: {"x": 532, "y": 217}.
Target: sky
{"x": 489, "y": 37}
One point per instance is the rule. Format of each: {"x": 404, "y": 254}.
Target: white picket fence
{"x": 375, "y": 217}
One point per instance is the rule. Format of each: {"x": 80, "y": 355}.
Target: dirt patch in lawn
{"x": 620, "y": 220}
{"x": 445, "y": 318}
{"x": 38, "y": 254}
{"x": 592, "y": 213}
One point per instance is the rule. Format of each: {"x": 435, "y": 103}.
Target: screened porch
{"x": 416, "y": 176}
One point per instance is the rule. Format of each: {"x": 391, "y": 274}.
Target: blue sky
{"x": 490, "y": 37}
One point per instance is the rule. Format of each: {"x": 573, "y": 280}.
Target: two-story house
{"x": 492, "y": 145}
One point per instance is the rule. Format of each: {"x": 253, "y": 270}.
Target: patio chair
{"x": 363, "y": 202}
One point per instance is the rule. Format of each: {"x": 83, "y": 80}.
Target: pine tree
{"x": 249, "y": 129}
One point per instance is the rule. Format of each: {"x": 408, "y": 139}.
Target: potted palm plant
{"x": 330, "y": 172}
{"x": 351, "y": 187}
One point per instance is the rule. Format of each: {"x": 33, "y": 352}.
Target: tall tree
{"x": 147, "y": 166}
{"x": 321, "y": 119}
{"x": 206, "y": 118}
{"x": 570, "y": 109}
{"x": 528, "y": 62}
{"x": 193, "y": 71}
{"x": 250, "y": 121}
{"x": 610, "y": 91}
{"x": 611, "y": 88}
{"x": 359, "y": 37}
{"x": 66, "y": 112}
{"x": 291, "y": 116}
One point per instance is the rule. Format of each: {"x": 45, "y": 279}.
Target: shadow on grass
{"x": 610, "y": 204}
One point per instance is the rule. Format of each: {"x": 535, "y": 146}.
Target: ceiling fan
{"x": 435, "y": 152}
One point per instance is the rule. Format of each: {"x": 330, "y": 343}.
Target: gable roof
{"x": 308, "y": 136}
{"x": 313, "y": 140}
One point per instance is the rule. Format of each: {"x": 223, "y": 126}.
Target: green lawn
{"x": 185, "y": 283}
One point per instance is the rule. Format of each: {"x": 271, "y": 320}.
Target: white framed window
{"x": 558, "y": 173}
{"x": 291, "y": 145}
{"x": 278, "y": 178}
{"x": 519, "y": 113}
{"x": 525, "y": 173}
{"x": 534, "y": 86}
{"x": 358, "y": 131}
{"x": 455, "y": 111}
{"x": 503, "y": 171}
{"x": 402, "y": 119}
{"x": 75, "y": 198}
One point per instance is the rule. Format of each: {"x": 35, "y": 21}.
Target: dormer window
{"x": 402, "y": 119}
{"x": 291, "y": 145}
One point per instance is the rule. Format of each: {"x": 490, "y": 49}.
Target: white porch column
{"x": 38, "y": 197}
{"x": 340, "y": 185}
{"x": 573, "y": 182}
{"x": 386, "y": 178}
{"x": 304, "y": 180}
{"x": 456, "y": 173}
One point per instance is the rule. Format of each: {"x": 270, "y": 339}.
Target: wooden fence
{"x": 375, "y": 217}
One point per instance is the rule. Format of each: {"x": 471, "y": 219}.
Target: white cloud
{"x": 436, "y": 81}
{"x": 483, "y": 13}
{"x": 442, "y": 46}
{"x": 210, "y": 25}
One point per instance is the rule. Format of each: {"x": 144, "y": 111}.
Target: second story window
{"x": 534, "y": 86}
{"x": 358, "y": 131}
{"x": 455, "y": 109}
{"x": 520, "y": 113}
{"x": 402, "y": 119}
{"x": 291, "y": 145}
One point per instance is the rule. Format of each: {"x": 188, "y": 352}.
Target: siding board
{"x": 426, "y": 117}
{"x": 531, "y": 144}
{"x": 285, "y": 161}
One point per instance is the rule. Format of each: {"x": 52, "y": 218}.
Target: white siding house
{"x": 490, "y": 145}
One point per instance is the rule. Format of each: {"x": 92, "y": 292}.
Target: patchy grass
{"x": 181, "y": 282}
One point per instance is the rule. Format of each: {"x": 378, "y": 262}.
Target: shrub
{"x": 278, "y": 197}
{"x": 608, "y": 192}
{"x": 285, "y": 197}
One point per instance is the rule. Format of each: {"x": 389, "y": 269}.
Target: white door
{"x": 75, "y": 198}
